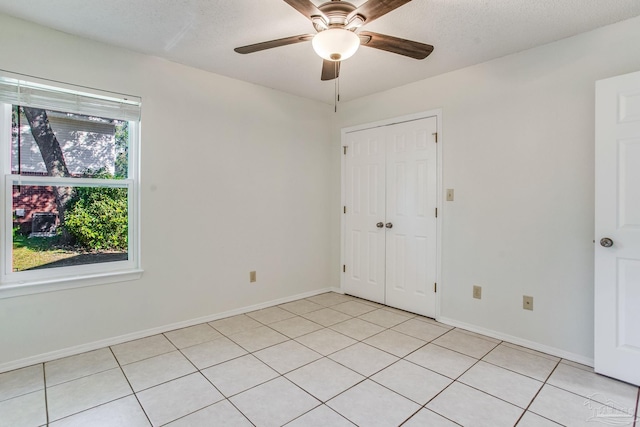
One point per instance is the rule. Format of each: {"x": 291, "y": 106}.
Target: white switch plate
{"x": 449, "y": 194}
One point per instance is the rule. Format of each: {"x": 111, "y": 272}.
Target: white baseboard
{"x": 83, "y": 348}
{"x": 518, "y": 341}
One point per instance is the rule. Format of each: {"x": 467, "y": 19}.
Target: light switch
{"x": 449, "y": 194}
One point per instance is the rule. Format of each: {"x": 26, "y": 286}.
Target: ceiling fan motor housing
{"x": 337, "y": 12}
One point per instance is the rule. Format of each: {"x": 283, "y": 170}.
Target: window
{"x": 69, "y": 212}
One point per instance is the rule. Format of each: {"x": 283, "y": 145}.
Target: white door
{"x": 391, "y": 197}
{"x": 365, "y": 214}
{"x": 617, "y": 218}
{"x": 411, "y": 213}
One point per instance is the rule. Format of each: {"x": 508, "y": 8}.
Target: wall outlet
{"x": 527, "y": 303}
{"x": 449, "y": 194}
{"x": 477, "y": 292}
{"x": 252, "y": 276}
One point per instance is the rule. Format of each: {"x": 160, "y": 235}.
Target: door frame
{"x": 437, "y": 113}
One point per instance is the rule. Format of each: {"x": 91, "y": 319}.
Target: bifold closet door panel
{"x": 411, "y": 201}
{"x": 365, "y": 204}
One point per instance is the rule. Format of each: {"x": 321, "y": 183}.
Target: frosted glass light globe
{"x": 335, "y": 44}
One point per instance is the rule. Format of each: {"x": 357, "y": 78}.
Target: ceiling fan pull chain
{"x": 335, "y": 91}
{"x": 336, "y": 87}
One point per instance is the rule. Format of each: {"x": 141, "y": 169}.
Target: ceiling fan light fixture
{"x": 335, "y": 44}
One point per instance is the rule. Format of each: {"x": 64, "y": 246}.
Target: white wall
{"x": 518, "y": 140}
{"x": 235, "y": 177}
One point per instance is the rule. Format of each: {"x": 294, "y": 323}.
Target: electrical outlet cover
{"x": 477, "y": 292}
{"x": 527, "y": 302}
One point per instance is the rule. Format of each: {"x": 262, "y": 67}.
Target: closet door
{"x": 411, "y": 190}
{"x": 365, "y": 215}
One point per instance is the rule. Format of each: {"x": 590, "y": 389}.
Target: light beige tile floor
{"x": 329, "y": 360}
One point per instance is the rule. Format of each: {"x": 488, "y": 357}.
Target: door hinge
{"x": 344, "y": 209}
{"x": 436, "y": 212}
{"x": 344, "y": 268}
{"x": 436, "y": 135}
{"x": 344, "y": 149}
{"x": 435, "y": 287}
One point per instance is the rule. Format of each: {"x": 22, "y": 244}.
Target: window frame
{"x": 52, "y": 279}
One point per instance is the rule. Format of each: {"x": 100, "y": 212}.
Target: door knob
{"x": 380, "y": 225}
{"x": 606, "y": 242}
{"x": 389, "y": 225}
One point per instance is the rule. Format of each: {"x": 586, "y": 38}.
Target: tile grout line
{"x": 199, "y": 371}
{"x": 239, "y": 411}
{"x": 206, "y": 378}
{"x": 511, "y": 370}
{"x": 99, "y": 405}
{"x": 420, "y": 408}
{"x": 500, "y": 398}
{"x": 568, "y": 391}
{"x": 46, "y": 401}
{"x": 130, "y": 386}
{"x": 537, "y": 393}
{"x": 635, "y": 417}
{"x": 573, "y": 392}
{"x": 321, "y": 404}
{"x": 455, "y": 380}
{"x": 305, "y": 391}
{"x": 145, "y": 358}
{"x": 84, "y": 376}
{"x": 135, "y": 393}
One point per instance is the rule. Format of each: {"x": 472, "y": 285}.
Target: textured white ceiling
{"x": 203, "y": 33}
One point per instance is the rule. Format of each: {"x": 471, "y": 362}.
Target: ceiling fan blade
{"x": 330, "y": 70}
{"x": 374, "y": 9}
{"x": 274, "y": 43}
{"x": 397, "y": 45}
{"x": 306, "y": 8}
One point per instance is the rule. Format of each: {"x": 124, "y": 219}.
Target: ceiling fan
{"x": 336, "y": 22}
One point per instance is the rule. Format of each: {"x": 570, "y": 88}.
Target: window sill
{"x": 11, "y": 290}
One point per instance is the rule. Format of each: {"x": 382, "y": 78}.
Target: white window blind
{"x": 21, "y": 92}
